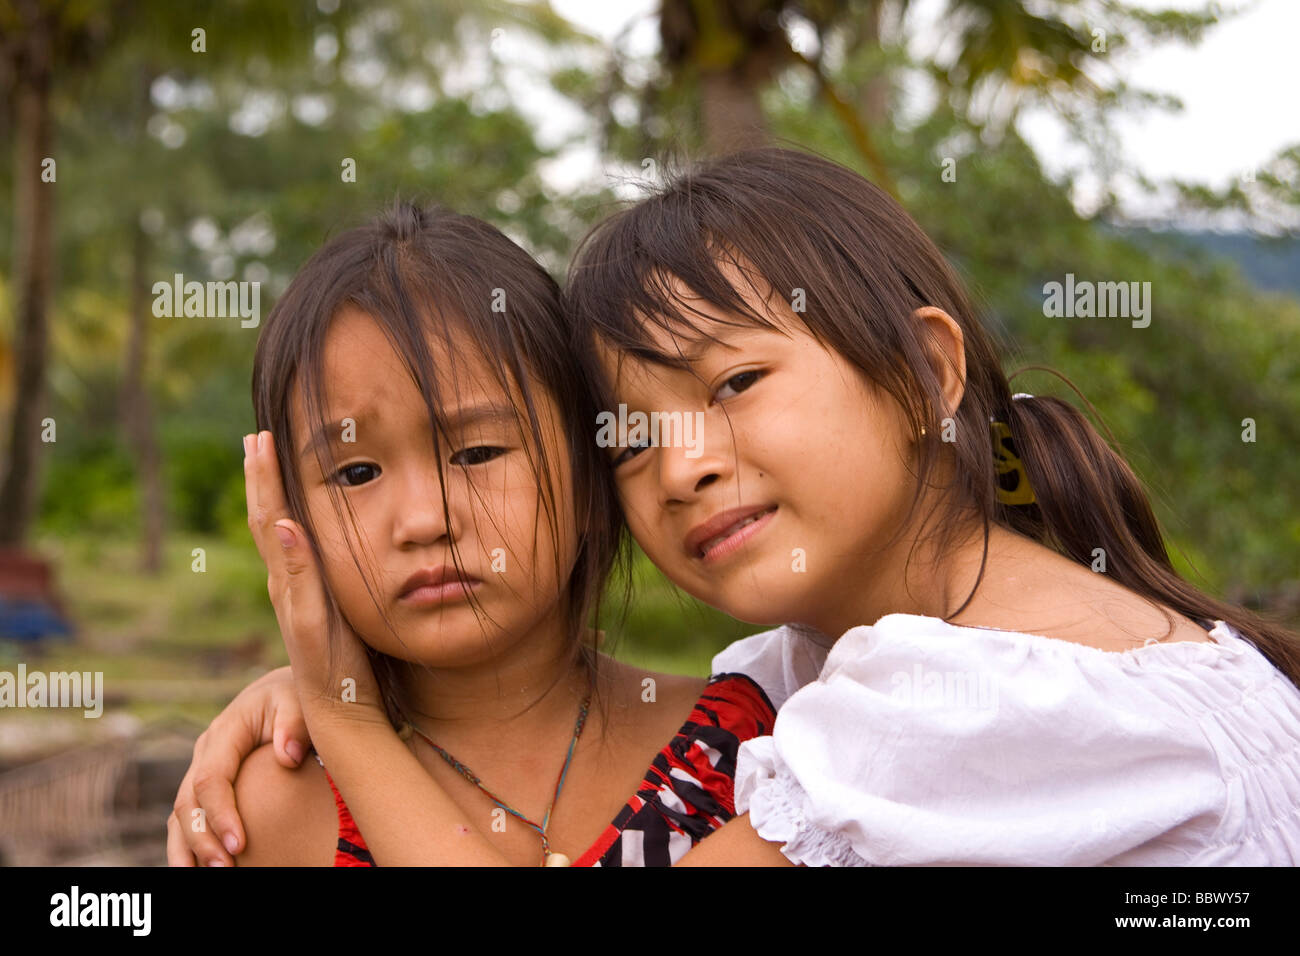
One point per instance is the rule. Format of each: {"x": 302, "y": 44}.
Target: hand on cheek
{"x": 298, "y": 596}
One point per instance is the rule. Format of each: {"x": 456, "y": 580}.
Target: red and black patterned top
{"x": 686, "y": 794}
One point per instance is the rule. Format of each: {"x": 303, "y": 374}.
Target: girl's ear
{"x": 946, "y": 353}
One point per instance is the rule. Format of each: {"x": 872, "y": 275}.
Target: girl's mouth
{"x": 731, "y": 536}
{"x": 442, "y": 584}
{"x": 431, "y": 595}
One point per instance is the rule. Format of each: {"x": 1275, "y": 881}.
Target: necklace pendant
{"x": 557, "y": 859}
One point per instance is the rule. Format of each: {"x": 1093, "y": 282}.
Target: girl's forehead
{"x": 361, "y": 367}
{"x": 356, "y": 338}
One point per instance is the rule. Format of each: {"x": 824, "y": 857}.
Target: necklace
{"x": 549, "y": 858}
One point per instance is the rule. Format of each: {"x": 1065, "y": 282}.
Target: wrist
{"x": 332, "y": 715}
{"x": 347, "y": 733}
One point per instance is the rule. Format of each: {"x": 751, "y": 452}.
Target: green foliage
{"x": 200, "y": 477}
{"x": 662, "y": 622}
{"x": 89, "y": 492}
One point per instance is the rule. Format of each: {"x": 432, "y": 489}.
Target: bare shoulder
{"x": 678, "y": 691}
{"x": 289, "y": 815}
{"x": 1042, "y": 592}
{"x": 650, "y": 706}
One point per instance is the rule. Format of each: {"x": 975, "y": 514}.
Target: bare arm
{"x": 406, "y": 816}
{"x": 736, "y": 843}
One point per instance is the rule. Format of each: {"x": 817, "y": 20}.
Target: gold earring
{"x": 922, "y": 429}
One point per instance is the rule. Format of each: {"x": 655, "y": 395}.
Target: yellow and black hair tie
{"x": 1013, "y": 480}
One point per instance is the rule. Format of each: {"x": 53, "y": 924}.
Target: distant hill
{"x": 1270, "y": 264}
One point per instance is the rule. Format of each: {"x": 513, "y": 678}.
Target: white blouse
{"x": 923, "y": 742}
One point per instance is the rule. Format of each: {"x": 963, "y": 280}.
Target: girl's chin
{"x": 760, "y": 611}
{"x": 448, "y": 655}
{"x": 758, "y": 602}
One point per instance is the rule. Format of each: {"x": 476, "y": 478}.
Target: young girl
{"x": 956, "y": 683}
{"x": 414, "y": 375}
{"x": 1020, "y": 677}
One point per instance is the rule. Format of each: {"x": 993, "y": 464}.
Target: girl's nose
{"x": 682, "y": 477}
{"x": 424, "y": 515}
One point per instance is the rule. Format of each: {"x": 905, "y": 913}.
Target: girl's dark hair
{"x": 428, "y": 271}
{"x": 807, "y": 228}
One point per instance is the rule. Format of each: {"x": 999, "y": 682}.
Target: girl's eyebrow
{"x": 685, "y": 353}
{"x": 329, "y": 434}
{"x": 487, "y": 411}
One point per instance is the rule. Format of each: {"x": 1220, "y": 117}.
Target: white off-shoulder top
{"x": 923, "y": 742}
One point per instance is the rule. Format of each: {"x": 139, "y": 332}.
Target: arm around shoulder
{"x": 289, "y": 814}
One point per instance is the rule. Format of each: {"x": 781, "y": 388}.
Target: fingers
{"x": 270, "y": 483}
{"x": 289, "y": 726}
{"x": 178, "y": 851}
{"x": 264, "y": 495}
{"x": 205, "y": 805}
{"x": 293, "y": 580}
{"x": 190, "y": 825}
{"x": 250, "y": 492}
{"x": 235, "y": 733}
{"x": 216, "y": 833}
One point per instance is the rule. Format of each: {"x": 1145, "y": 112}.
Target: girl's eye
{"x": 478, "y": 455}
{"x": 341, "y": 475}
{"x": 738, "y": 383}
{"x": 630, "y": 452}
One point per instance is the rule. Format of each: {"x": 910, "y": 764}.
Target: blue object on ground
{"x": 30, "y": 620}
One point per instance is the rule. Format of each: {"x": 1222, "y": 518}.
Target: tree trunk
{"x": 33, "y": 263}
{"x": 137, "y": 414}
{"x": 733, "y": 118}
{"x": 874, "y": 101}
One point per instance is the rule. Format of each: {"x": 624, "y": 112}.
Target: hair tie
{"x": 1019, "y": 395}
{"x": 1012, "y": 480}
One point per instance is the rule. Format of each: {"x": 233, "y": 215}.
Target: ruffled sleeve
{"x": 780, "y": 661}
{"x": 926, "y": 743}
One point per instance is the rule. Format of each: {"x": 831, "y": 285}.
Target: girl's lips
{"x": 718, "y": 548}
{"x": 432, "y": 595}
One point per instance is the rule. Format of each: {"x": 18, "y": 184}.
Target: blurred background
{"x": 143, "y": 138}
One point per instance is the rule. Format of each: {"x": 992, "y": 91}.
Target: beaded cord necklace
{"x": 548, "y": 858}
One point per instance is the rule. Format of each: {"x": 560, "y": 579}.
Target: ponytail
{"x": 1090, "y": 506}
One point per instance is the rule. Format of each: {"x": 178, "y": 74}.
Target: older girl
{"x": 1018, "y": 675}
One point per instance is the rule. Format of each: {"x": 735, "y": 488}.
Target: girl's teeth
{"x": 708, "y": 545}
